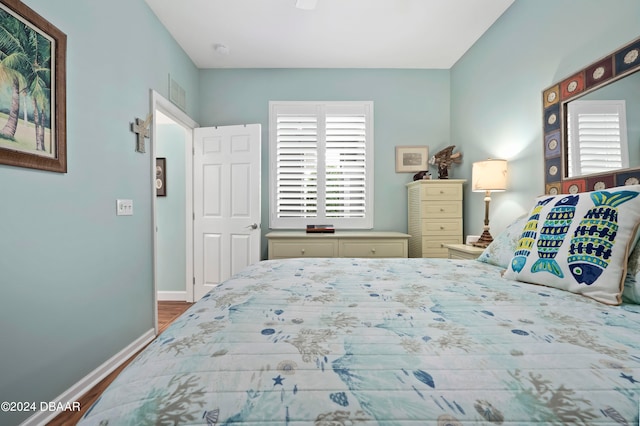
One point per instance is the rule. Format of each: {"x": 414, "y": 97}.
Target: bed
{"x": 392, "y": 342}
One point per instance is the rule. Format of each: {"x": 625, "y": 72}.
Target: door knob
{"x": 253, "y": 226}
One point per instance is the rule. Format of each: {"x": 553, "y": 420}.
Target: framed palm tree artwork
{"x": 32, "y": 90}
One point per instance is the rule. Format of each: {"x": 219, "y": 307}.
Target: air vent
{"x": 177, "y": 95}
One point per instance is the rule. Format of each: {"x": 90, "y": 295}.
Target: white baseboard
{"x": 177, "y": 296}
{"x": 90, "y": 380}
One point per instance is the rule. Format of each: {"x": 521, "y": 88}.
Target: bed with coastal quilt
{"x": 542, "y": 329}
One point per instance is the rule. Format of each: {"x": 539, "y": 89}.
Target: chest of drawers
{"x": 434, "y": 216}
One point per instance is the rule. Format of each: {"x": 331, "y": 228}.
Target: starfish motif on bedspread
{"x": 629, "y": 378}
{"x": 278, "y": 380}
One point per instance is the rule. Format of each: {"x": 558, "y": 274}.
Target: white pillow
{"x": 579, "y": 243}
{"x": 501, "y": 249}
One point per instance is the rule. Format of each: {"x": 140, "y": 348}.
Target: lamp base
{"x": 484, "y": 240}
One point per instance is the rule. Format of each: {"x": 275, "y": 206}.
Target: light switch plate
{"x": 124, "y": 207}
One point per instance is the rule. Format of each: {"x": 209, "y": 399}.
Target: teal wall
{"x": 76, "y": 279}
{"x": 496, "y": 89}
{"x": 411, "y": 107}
{"x": 171, "y": 218}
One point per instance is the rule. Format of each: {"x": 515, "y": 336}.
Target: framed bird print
{"x": 411, "y": 159}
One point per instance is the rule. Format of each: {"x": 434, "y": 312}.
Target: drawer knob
{"x": 373, "y": 250}
{"x": 441, "y": 191}
{"x": 441, "y": 209}
{"x": 302, "y": 251}
{"x": 442, "y": 228}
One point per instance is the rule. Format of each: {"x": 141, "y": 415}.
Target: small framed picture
{"x": 411, "y": 159}
{"x": 161, "y": 177}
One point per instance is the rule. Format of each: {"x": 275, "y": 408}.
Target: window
{"x": 321, "y": 164}
{"x": 597, "y": 135}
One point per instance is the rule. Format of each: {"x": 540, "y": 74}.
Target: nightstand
{"x": 463, "y": 251}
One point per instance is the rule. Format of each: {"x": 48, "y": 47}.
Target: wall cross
{"x": 142, "y": 130}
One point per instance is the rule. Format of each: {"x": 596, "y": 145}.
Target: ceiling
{"x": 431, "y": 34}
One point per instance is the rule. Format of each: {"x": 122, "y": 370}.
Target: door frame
{"x": 159, "y": 103}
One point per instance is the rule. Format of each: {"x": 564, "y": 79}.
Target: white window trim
{"x": 595, "y": 107}
{"x": 320, "y": 108}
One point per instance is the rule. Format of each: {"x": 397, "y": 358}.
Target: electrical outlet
{"x": 124, "y": 207}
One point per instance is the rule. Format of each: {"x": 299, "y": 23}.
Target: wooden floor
{"x": 167, "y": 313}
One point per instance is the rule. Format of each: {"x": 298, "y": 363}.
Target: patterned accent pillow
{"x": 579, "y": 243}
{"x": 501, "y": 249}
{"x": 631, "y": 292}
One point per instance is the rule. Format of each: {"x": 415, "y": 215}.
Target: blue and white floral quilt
{"x": 384, "y": 342}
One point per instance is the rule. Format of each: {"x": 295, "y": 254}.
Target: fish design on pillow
{"x": 592, "y": 241}
{"x": 528, "y": 237}
{"x": 552, "y": 234}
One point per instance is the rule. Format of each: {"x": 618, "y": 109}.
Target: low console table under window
{"x": 286, "y": 244}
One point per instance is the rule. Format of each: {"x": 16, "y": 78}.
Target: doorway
{"x": 172, "y": 139}
{"x": 212, "y": 187}
{"x": 173, "y": 190}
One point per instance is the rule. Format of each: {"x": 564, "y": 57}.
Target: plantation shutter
{"x": 597, "y": 135}
{"x": 297, "y": 164}
{"x": 321, "y": 164}
{"x": 346, "y": 166}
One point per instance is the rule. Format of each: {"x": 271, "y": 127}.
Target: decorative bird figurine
{"x": 444, "y": 159}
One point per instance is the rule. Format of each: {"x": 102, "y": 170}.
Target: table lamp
{"x": 489, "y": 175}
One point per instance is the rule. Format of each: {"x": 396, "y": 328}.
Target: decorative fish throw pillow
{"x": 579, "y": 242}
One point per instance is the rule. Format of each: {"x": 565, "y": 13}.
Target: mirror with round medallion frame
{"x": 616, "y": 77}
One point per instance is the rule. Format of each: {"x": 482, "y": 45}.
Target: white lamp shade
{"x": 489, "y": 175}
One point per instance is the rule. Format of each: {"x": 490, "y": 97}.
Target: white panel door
{"x": 226, "y": 201}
